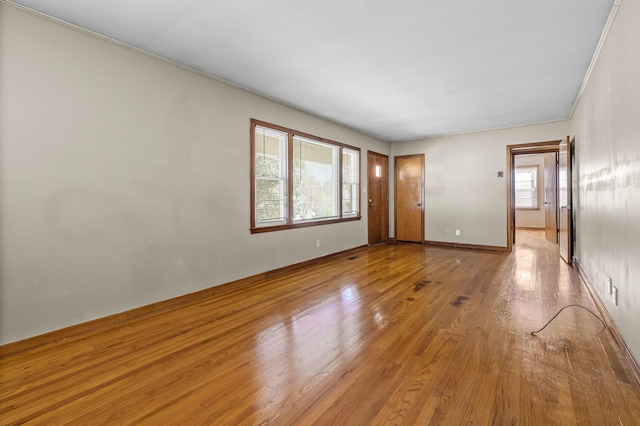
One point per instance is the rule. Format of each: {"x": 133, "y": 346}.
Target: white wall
{"x": 462, "y": 187}
{"x": 125, "y": 179}
{"x": 533, "y": 218}
{"x": 606, "y": 125}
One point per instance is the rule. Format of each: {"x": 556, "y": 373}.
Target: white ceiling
{"x": 398, "y": 70}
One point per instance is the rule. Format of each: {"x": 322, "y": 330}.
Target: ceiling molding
{"x": 596, "y": 54}
{"x": 168, "y": 61}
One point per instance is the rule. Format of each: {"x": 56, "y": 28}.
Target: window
{"x": 301, "y": 180}
{"x": 350, "y": 182}
{"x": 526, "y": 187}
{"x": 270, "y": 165}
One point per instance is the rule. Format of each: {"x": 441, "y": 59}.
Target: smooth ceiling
{"x": 398, "y": 70}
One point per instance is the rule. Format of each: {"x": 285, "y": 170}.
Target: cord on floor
{"x": 562, "y": 309}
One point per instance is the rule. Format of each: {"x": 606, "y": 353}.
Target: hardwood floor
{"x": 394, "y": 334}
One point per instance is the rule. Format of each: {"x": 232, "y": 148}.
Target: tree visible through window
{"x": 315, "y": 179}
{"x": 526, "y": 187}
{"x": 301, "y": 180}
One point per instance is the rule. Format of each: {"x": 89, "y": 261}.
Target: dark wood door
{"x": 378, "y": 197}
{"x": 564, "y": 200}
{"x": 409, "y": 198}
{"x": 551, "y": 198}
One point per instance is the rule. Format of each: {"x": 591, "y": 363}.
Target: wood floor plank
{"x": 394, "y": 334}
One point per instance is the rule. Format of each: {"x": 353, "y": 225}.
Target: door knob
{"x": 419, "y": 204}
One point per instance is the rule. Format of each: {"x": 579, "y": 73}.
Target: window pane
{"x": 350, "y": 182}
{"x": 269, "y": 200}
{"x": 270, "y": 162}
{"x": 315, "y": 179}
{"x": 270, "y": 152}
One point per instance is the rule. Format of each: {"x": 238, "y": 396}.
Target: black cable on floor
{"x": 562, "y": 309}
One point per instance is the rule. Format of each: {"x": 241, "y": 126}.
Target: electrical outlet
{"x": 609, "y": 285}
{"x": 614, "y": 295}
{"x": 317, "y": 243}
{"x": 457, "y": 232}
{"x": 448, "y": 231}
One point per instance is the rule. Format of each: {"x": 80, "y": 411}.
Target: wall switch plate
{"x": 614, "y": 295}
{"x": 457, "y": 232}
{"x": 609, "y": 285}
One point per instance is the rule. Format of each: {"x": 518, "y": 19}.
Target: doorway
{"x": 535, "y": 187}
{"x": 378, "y": 197}
{"x": 548, "y": 198}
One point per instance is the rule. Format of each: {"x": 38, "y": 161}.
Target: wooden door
{"x": 378, "y": 197}
{"x": 409, "y": 198}
{"x": 550, "y": 198}
{"x": 564, "y": 200}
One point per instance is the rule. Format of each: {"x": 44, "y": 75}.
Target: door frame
{"x": 512, "y": 152}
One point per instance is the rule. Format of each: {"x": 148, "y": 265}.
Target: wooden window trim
{"x": 290, "y": 224}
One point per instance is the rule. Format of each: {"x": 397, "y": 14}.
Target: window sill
{"x": 262, "y": 229}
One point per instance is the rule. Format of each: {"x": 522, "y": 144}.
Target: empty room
{"x": 298, "y": 213}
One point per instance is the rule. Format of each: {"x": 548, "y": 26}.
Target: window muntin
{"x": 301, "y": 180}
{"x": 526, "y": 187}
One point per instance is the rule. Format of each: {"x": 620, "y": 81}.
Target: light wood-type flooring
{"x": 394, "y": 334}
